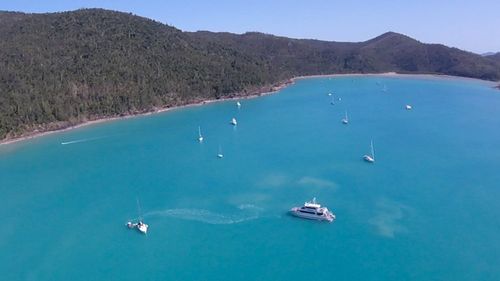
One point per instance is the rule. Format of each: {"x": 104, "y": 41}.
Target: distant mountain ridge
{"x": 60, "y": 69}
{"x": 494, "y": 57}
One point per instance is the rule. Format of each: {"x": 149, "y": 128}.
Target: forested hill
{"x": 65, "y": 68}
{"x": 387, "y": 52}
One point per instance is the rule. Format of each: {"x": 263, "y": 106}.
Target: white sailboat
{"x": 234, "y": 122}
{"x": 408, "y": 107}
{"x": 219, "y": 154}
{"x": 345, "y": 120}
{"x": 370, "y": 158}
{"x": 238, "y": 104}
{"x": 139, "y": 225}
{"x": 200, "y": 136}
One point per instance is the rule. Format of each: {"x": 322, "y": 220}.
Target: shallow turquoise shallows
{"x": 427, "y": 209}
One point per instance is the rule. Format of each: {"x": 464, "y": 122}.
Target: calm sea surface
{"x": 427, "y": 209}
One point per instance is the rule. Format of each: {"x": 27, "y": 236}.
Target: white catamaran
{"x": 345, "y": 120}
{"x": 219, "y": 154}
{"x": 313, "y": 211}
{"x": 139, "y": 225}
{"x": 200, "y": 136}
{"x": 370, "y": 158}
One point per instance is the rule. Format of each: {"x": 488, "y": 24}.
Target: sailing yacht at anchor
{"x": 370, "y": 158}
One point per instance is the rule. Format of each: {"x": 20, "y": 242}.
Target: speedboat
{"x": 233, "y": 122}
{"x": 313, "y": 211}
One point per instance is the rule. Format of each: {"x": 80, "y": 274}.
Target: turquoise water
{"x": 426, "y": 210}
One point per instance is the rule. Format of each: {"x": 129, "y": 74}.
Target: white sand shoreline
{"x": 35, "y": 134}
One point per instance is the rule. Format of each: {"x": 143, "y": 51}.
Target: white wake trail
{"x": 80, "y": 140}
{"x": 201, "y": 215}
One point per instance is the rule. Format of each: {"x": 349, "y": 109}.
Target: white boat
{"x": 408, "y": 107}
{"x": 329, "y": 94}
{"x": 345, "y": 120}
{"x": 370, "y": 158}
{"x": 139, "y": 225}
{"x": 234, "y": 122}
{"x": 142, "y": 227}
{"x": 313, "y": 211}
{"x": 200, "y": 137}
{"x": 238, "y": 104}
{"x": 219, "y": 154}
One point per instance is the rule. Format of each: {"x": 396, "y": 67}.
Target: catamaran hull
{"x": 295, "y": 212}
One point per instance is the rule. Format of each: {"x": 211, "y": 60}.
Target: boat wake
{"x": 206, "y": 216}
{"x": 79, "y": 141}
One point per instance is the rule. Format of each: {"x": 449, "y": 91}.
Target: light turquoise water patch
{"x": 426, "y": 210}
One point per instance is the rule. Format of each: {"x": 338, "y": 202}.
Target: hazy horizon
{"x": 468, "y": 26}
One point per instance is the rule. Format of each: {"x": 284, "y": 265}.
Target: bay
{"x": 427, "y": 209}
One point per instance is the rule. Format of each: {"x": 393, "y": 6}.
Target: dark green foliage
{"x": 64, "y": 68}
{"x": 494, "y": 57}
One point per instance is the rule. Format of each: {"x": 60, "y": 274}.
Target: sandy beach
{"x": 269, "y": 90}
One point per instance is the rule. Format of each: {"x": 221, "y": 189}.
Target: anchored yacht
{"x": 313, "y": 211}
{"x": 141, "y": 226}
{"x": 200, "y": 136}
{"x": 346, "y": 118}
{"x": 370, "y": 158}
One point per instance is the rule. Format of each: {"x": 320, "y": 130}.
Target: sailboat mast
{"x": 139, "y": 208}
{"x": 372, "y": 150}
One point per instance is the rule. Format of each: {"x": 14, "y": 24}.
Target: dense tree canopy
{"x": 60, "y": 69}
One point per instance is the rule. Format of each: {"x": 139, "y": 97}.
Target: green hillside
{"x": 60, "y": 69}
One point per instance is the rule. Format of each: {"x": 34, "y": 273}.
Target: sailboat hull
{"x": 368, "y": 159}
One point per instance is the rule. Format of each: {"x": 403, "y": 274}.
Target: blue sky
{"x": 468, "y": 25}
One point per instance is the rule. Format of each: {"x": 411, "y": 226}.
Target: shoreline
{"x": 35, "y": 134}
{"x": 269, "y": 91}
